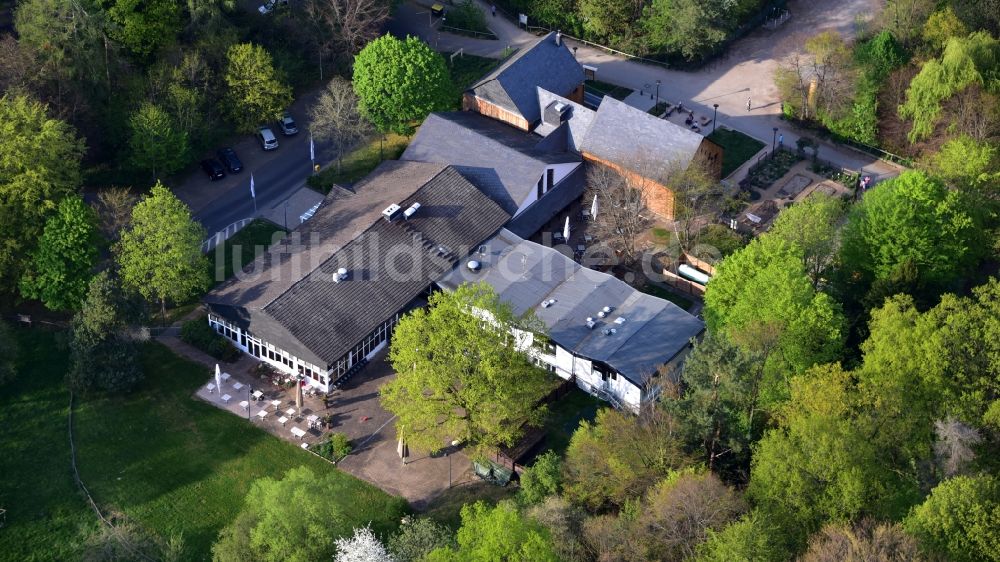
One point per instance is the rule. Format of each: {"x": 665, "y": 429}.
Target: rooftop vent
{"x": 548, "y": 303}
{"x": 340, "y": 275}
{"x": 606, "y": 309}
{"x": 620, "y": 320}
{"x": 409, "y": 212}
{"x": 391, "y": 212}
{"x": 610, "y": 332}
{"x": 590, "y": 323}
{"x": 473, "y": 266}
{"x": 555, "y": 113}
{"x": 602, "y": 314}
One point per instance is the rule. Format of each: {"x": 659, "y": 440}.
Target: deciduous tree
{"x": 960, "y": 520}
{"x": 343, "y": 26}
{"x": 364, "y": 546}
{"x": 462, "y": 377}
{"x": 144, "y": 26}
{"x": 968, "y": 164}
{"x": 114, "y": 209}
{"x": 811, "y": 226}
{"x": 679, "y": 512}
{"x": 753, "y": 538}
{"x": 336, "y": 118}
{"x": 417, "y": 537}
{"x": 160, "y": 254}
{"x": 911, "y": 219}
{"x": 256, "y": 93}
{"x": 868, "y": 540}
{"x": 155, "y": 143}
{"x": 820, "y": 81}
{"x": 619, "y": 456}
{"x": 39, "y": 166}
{"x": 62, "y": 265}
{"x": 542, "y": 479}
{"x": 400, "y": 82}
{"x": 622, "y": 215}
{"x": 498, "y": 533}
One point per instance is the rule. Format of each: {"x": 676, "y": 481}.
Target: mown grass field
{"x": 243, "y": 247}
{"x": 170, "y": 463}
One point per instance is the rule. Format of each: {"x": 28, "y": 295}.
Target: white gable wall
{"x": 559, "y": 172}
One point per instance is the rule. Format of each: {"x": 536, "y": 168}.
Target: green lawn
{"x": 657, "y": 291}
{"x": 607, "y": 89}
{"x": 737, "y": 148}
{"x": 169, "y": 462}
{"x": 360, "y": 162}
{"x": 46, "y": 518}
{"x": 565, "y": 415}
{"x": 249, "y": 243}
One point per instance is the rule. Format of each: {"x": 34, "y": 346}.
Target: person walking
{"x": 781, "y": 140}
{"x": 493, "y": 9}
{"x": 748, "y": 104}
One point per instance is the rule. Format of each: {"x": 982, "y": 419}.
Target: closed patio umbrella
{"x": 218, "y": 378}
{"x": 298, "y": 396}
{"x": 566, "y": 231}
{"x": 593, "y": 208}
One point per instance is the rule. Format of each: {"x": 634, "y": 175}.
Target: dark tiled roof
{"x": 632, "y": 138}
{"x": 504, "y": 161}
{"x": 389, "y": 265}
{"x": 651, "y": 332}
{"x": 512, "y": 84}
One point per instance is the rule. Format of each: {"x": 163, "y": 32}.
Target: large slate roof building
{"x": 530, "y": 180}
{"x": 610, "y": 338}
{"x": 293, "y": 309}
{"x": 508, "y": 93}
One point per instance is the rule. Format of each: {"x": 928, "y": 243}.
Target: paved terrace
{"x": 353, "y": 410}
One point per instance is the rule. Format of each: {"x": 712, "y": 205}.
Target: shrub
{"x": 198, "y": 333}
{"x": 336, "y": 447}
{"x": 543, "y": 479}
{"x": 466, "y": 15}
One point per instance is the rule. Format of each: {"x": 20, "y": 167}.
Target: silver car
{"x": 288, "y": 126}
{"x": 267, "y": 139}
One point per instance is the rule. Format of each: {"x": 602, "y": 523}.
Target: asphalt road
{"x": 277, "y": 174}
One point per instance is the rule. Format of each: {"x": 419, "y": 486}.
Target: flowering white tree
{"x": 364, "y": 546}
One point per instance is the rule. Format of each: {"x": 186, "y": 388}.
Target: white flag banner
{"x": 252, "y": 193}
{"x": 312, "y": 149}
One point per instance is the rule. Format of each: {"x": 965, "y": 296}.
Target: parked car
{"x": 267, "y": 139}
{"x": 288, "y": 127}
{"x": 213, "y": 168}
{"x": 229, "y": 159}
{"x": 269, "y": 6}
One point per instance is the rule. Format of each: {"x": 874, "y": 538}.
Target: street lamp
{"x": 657, "y": 93}
{"x": 774, "y": 136}
{"x": 715, "y": 113}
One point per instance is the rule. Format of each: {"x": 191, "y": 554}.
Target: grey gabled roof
{"x": 389, "y": 264}
{"x": 525, "y": 274}
{"x": 504, "y": 161}
{"x": 543, "y": 63}
{"x": 630, "y": 137}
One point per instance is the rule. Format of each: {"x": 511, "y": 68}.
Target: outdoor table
{"x": 225, "y": 398}
{"x": 262, "y": 414}
{"x": 588, "y": 238}
{"x": 237, "y": 385}
{"x": 257, "y": 395}
{"x": 581, "y": 248}
{"x": 290, "y": 412}
{"x": 244, "y": 404}
{"x": 211, "y": 388}
{"x": 313, "y": 420}
{"x": 298, "y": 432}
{"x": 557, "y": 236}
{"x": 225, "y": 376}
{"x": 276, "y": 403}
{"x": 282, "y": 420}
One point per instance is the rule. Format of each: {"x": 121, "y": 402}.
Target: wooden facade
{"x": 709, "y": 156}
{"x": 659, "y": 198}
{"x": 470, "y": 102}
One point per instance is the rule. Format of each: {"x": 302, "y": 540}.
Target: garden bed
{"x": 770, "y": 170}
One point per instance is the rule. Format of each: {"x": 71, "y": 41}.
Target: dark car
{"x": 229, "y": 159}
{"x": 213, "y": 168}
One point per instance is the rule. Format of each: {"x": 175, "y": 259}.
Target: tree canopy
{"x": 909, "y": 221}
{"x": 497, "y": 534}
{"x": 460, "y": 375}
{"x": 156, "y": 144}
{"x": 256, "y": 91}
{"x": 39, "y": 166}
{"x": 63, "y": 263}
{"x": 160, "y": 254}
{"x": 399, "y": 82}
{"x": 960, "y": 520}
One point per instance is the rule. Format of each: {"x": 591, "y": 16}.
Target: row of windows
{"x": 263, "y": 350}
{"x": 378, "y": 336}
{"x": 545, "y": 183}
